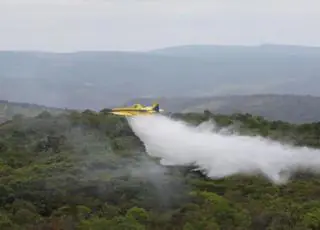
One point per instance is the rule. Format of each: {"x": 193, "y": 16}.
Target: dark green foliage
{"x": 89, "y": 171}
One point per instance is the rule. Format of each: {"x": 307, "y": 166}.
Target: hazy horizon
{"x": 156, "y": 48}
{"x": 141, "y": 25}
{"x": 146, "y": 50}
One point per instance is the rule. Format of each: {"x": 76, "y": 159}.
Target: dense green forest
{"x": 89, "y": 171}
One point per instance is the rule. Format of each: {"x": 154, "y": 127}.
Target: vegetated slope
{"x": 99, "y": 79}
{"x": 9, "y": 109}
{"x": 88, "y": 171}
{"x": 291, "y": 108}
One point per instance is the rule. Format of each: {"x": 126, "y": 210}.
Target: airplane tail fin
{"x": 156, "y": 107}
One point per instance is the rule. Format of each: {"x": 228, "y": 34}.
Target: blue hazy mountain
{"x": 100, "y": 79}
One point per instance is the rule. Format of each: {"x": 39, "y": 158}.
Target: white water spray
{"x": 220, "y": 155}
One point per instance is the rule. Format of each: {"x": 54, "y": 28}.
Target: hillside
{"x": 89, "y": 171}
{"x": 9, "y": 109}
{"x": 99, "y": 79}
{"x": 291, "y": 108}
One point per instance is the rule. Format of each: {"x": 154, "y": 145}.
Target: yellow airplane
{"x": 136, "y": 110}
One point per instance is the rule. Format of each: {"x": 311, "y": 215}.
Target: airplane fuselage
{"x": 132, "y": 112}
{"x": 136, "y": 110}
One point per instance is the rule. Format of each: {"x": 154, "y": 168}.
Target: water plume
{"x": 221, "y": 153}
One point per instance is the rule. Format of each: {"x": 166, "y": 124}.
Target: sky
{"x": 139, "y": 25}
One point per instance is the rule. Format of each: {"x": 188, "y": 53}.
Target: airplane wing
{"x": 123, "y": 113}
{"x": 136, "y": 109}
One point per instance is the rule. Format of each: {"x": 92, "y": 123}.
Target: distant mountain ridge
{"x": 96, "y": 80}
{"x": 9, "y": 109}
{"x": 290, "y": 108}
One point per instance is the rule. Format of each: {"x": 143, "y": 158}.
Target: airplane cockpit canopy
{"x": 136, "y": 106}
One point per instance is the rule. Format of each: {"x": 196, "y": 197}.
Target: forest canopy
{"x": 88, "y": 170}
